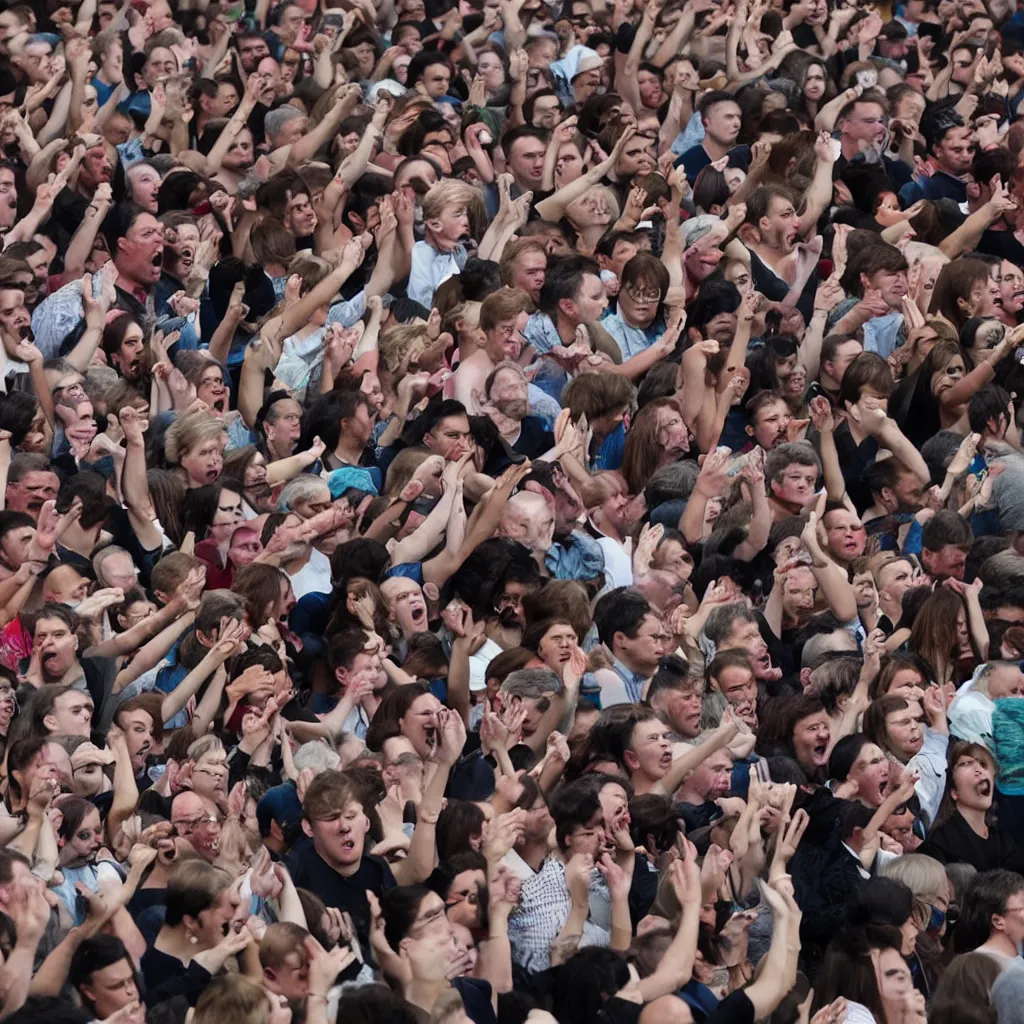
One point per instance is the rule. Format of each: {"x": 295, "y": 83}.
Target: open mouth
{"x": 212, "y": 474}
{"x": 25, "y": 333}
{"x": 348, "y": 845}
{"x": 666, "y": 760}
{"x": 984, "y": 788}
{"x": 418, "y": 615}
{"x": 430, "y": 735}
{"x": 791, "y": 238}
{"x": 158, "y": 259}
{"x": 820, "y": 750}
{"x": 218, "y": 404}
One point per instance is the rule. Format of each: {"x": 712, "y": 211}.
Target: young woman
{"x": 965, "y": 830}
{"x": 212, "y": 513}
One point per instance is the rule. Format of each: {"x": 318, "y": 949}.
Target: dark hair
{"x": 622, "y": 610}
{"x": 989, "y": 403}
{"x": 585, "y": 981}
{"x": 563, "y": 279}
{"x": 867, "y": 370}
{"x": 95, "y": 954}
{"x": 390, "y": 712}
{"x": 880, "y": 900}
{"x": 946, "y": 527}
{"x": 870, "y": 260}
{"x": 573, "y": 806}
{"x": 987, "y": 895}
{"x": 458, "y": 822}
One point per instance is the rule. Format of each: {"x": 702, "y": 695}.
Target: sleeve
{"x": 734, "y": 1009}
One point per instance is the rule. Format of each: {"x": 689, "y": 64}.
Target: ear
{"x": 275, "y": 831}
{"x": 50, "y": 723}
{"x": 631, "y": 760}
{"x": 973, "y": 190}
{"x": 567, "y": 307}
{"x": 805, "y": 678}
{"x": 434, "y": 224}
{"x": 341, "y": 675}
{"x": 749, "y": 429}
{"x": 307, "y": 829}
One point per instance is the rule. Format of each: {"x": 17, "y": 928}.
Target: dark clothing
{"x": 696, "y": 158}
{"x": 955, "y": 842}
{"x": 855, "y": 460}
{"x": 1003, "y": 244}
{"x": 476, "y": 995}
{"x": 165, "y": 977}
{"x": 940, "y": 185}
{"x": 775, "y": 289}
{"x": 310, "y": 871}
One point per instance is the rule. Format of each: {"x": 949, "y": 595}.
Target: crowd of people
{"x": 511, "y": 512}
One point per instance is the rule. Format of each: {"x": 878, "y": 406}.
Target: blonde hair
{"x": 401, "y": 469}
{"x": 447, "y": 192}
{"x": 401, "y": 345}
{"x": 504, "y": 304}
{"x": 232, "y": 999}
{"x": 190, "y": 430}
{"x": 924, "y": 876}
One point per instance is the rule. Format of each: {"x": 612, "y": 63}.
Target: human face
{"x": 66, "y": 585}
{"x": 140, "y": 253}
{"x": 526, "y": 162}
{"x": 671, "y": 433}
{"x": 740, "y": 276}
{"x": 650, "y": 749}
{"x": 15, "y": 322}
{"x": 194, "y": 821}
{"x": 205, "y": 461}
{"x": 780, "y": 226}
{"x": 722, "y": 123}
{"x": 283, "y": 432}
{"x": 639, "y": 303}
{"x": 747, "y": 637}
{"x": 111, "y": 989}
{"x": 673, "y": 557}
{"x": 845, "y": 354}
{"x": 180, "y": 248}
{"x": 651, "y": 95}
{"x": 556, "y": 646}
{"x": 814, "y": 83}
{"x": 949, "y": 562}
{"x": 138, "y": 730}
{"x": 591, "y": 300}
{"x": 904, "y": 731}
{"x": 128, "y": 358}
{"x": 892, "y": 285}
{"x": 451, "y": 226}
{"x": 955, "y": 153}
{"x": 546, "y": 111}
{"x": 569, "y": 165}
{"x": 510, "y": 394}
{"x": 450, "y": 438}
{"x": 798, "y": 593}
{"x": 713, "y": 779}
{"x": 117, "y": 570}
{"x": 1011, "y": 289}
{"x": 770, "y": 426}
{"x": 636, "y": 158}
{"x": 160, "y": 65}
{"x": 209, "y": 775}
{"x": 406, "y": 604}
{"x": 57, "y": 647}
{"x": 893, "y": 978}
{"x": 80, "y": 848}
{"x": 240, "y": 156}
{"x": 739, "y": 687}
{"x": 252, "y": 51}
{"x": 865, "y": 124}
{"x": 213, "y": 390}
{"x": 908, "y": 684}
{"x": 643, "y": 652}
{"x": 811, "y": 741}
{"x": 871, "y": 773}
{"x": 973, "y": 782}
{"x": 506, "y": 340}
{"x": 420, "y": 724}
{"x": 435, "y": 80}
{"x": 529, "y": 270}
{"x": 36, "y": 61}
{"x": 300, "y": 217}
{"x": 72, "y": 714}
{"x": 846, "y": 535}
{"x": 144, "y": 182}
{"x": 32, "y": 491}
{"x": 226, "y": 516}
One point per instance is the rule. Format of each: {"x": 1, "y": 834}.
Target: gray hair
{"x": 101, "y": 556}
{"x": 316, "y": 756}
{"x": 719, "y": 621}
{"x": 532, "y": 682}
{"x": 826, "y": 643}
{"x": 782, "y": 456}
{"x": 302, "y": 488}
{"x": 276, "y": 119}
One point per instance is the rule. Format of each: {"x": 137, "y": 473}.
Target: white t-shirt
{"x": 314, "y": 577}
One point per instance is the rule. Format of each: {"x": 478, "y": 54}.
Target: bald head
{"x": 65, "y": 585}
{"x": 528, "y": 518}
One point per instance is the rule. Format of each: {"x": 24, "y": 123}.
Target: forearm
{"x": 310, "y": 144}
{"x": 817, "y": 198}
{"x": 126, "y": 792}
{"x": 16, "y": 975}
{"x": 837, "y": 590}
{"x": 80, "y": 247}
{"x": 75, "y": 102}
{"x": 220, "y": 343}
{"x": 235, "y": 124}
{"x": 423, "y": 847}
{"x": 427, "y": 535}
{"x": 81, "y": 356}
{"x": 691, "y": 522}
{"x": 25, "y": 841}
{"x": 250, "y": 387}
{"x": 52, "y": 975}
{"x": 825, "y": 119}
{"x": 691, "y": 760}
{"x": 896, "y": 441}
{"x": 759, "y": 529}
{"x": 280, "y": 471}
{"x": 209, "y": 703}
{"x": 153, "y": 652}
{"x": 553, "y": 208}
{"x": 676, "y": 966}
{"x": 187, "y": 688}
{"x": 810, "y": 346}
{"x": 835, "y": 484}
{"x": 976, "y": 625}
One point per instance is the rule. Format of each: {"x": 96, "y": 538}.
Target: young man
{"x": 721, "y": 116}
{"x": 630, "y": 629}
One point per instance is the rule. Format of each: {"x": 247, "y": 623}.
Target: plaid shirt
{"x": 544, "y": 905}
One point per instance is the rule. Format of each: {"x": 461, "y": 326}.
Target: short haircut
{"x": 622, "y": 610}
{"x": 501, "y": 306}
{"x": 946, "y": 527}
{"x": 563, "y": 280}
{"x": 790, "y": 453}
{"x": 597, "y": 394}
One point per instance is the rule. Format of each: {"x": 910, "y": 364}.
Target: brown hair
{"x": 643, "y": 452}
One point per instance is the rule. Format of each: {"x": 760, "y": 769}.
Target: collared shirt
{"x": 970, "y": 715}
{"x": 631, "y": 340}
{"x": 430, "y": 269}
{"x": 930, "y": 764}
{"x": 544, "y": 905}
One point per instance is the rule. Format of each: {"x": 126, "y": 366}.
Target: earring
{"x": 193, "y": 940}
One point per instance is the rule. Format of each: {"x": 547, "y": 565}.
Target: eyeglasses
{"x": 644, "y": 294}
{"x": 183, "y": 828}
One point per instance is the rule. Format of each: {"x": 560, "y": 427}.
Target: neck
{"x": 128, "y": 285}
{"x": 425, "y": 993}
{"x": 438, "y": 242}
{"x": 348, "y": 450}
{"x": 566, "y": 329}
{"x": 592, "y": 234}
{"x": 714, "y": 149}
{"x": 278, "y": 450}
{"x": 849, "y": 147}
{"x": 888, "y": 606}
{"x": 768, "y": 254}
{"x": 999, "y": 942}
{"x": 975, "y": 817}
{"x": 534, "y": 852}
{"x": 80, "y": 540}
{"x": 642, "y": 782}
{"x": 275, "y": 269}
{"x": 608, "y": 528}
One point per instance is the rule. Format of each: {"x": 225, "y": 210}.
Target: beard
{"x": 514, "y": 408}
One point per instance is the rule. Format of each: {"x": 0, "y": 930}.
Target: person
{"x": 414, "y": 502}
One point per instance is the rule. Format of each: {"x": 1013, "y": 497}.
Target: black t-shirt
{"x": 476, "y": 997}
{"x": 775, "y": 289}
{"x": 310, "y": 871}
{"x": 1003, "y": 244}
